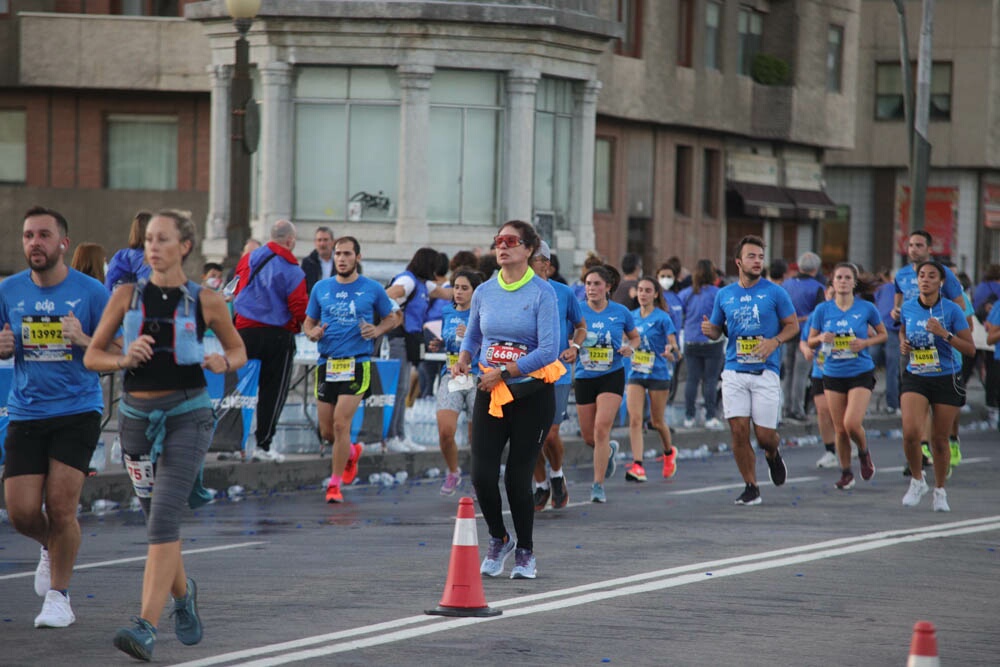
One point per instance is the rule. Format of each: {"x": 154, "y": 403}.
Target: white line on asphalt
{"x": 975, "y": 459}
{"x": 133, "y": 559}
{"x": 724, "y": 487}
{"x": 588, "y": 593}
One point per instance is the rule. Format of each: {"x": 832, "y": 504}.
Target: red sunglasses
{"x": 507, "y": 241}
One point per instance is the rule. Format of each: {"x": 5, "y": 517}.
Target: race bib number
{"x": 642, "y": 361}
{"x": 597, "y": 358}
{"x": 924, "y": 360}
{"x": 42, "y": 339}
{"x": 452, "y": 359}
{"x": 745, "y": 346}
{"x": 340, "y": 370}
{"x": 842, "y": 347}
{"x": 140, "y": 472}
{"x": 502, "y": 353}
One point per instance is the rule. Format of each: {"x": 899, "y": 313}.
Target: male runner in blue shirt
{"x": 759, "y": 317}
{"x": 55, "y": 403}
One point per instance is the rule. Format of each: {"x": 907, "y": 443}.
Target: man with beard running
{"x": 340, "y": 318}
{"x": 759, "y": 317}
{"x": 55, "y": 403}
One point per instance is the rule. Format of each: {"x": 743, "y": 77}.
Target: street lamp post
{"x": 245, "y": 131}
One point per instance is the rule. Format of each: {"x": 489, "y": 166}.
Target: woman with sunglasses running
{"x": 841, "y": 328}
{"x": 650, "y": 375}
{"x": 600, "y": 371}
{"x": 514, "y": 327}
{"x": 930, "y": 329}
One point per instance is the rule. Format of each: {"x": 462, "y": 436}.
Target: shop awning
{"x": 758, "y": 201}
{"x": 811, "y": 204}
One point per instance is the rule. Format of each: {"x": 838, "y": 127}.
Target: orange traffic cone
{"x": 923, "y": 646}
{"x": 463, "y": 591}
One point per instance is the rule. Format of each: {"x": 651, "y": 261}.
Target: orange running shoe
{"x": 635, "y": 473}
{"x": 351, "y": 469}
{"x": 670, "y": 463}
{"x": 333, "y": 494}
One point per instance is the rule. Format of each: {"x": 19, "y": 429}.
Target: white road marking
{"x": 726, "y": 487}
{"x": 594, "y": 592}
{"x": 134, "y": 559}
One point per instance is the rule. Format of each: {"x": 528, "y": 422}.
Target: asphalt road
{"x": 665, "y": 573}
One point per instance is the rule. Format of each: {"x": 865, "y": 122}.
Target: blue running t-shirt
{"x": 931, "y": 355}
{"x": 50, "y": 379}
{"x": 648, "y": 360}
{"x": 342, "y": 307}
{"x": 605, "y": 329}
{"x": 846, "y": 325}
{"x": 994, "y": 319}
{"x": 751, "y": 315}
{"x": 569, "y": 315}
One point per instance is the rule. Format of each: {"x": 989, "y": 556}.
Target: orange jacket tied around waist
{"x": 500, "y": 394}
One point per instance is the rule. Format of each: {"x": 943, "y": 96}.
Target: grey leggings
{"x": 188, "y": 439}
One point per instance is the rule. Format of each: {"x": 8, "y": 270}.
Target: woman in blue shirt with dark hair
{"x": 931, "y": 327}
{"x": 841, "y": 327}
{"x": 650, "y": 375}
{"x": 600, "y": 371}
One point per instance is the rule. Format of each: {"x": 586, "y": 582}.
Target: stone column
{"x": 218, "y": 158}
{"x": 276, "y": 145}
{"x": 414, "y": 134}
{"x": 581, "y": 207}
{"x": 519, "y": 145}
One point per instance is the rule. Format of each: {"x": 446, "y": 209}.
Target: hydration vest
{"x": 187, "y": 348}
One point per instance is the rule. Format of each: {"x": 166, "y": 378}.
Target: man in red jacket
{"x": 270, "y": 307}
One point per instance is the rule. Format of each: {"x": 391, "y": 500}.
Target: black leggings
{"x": 524, "y": 423}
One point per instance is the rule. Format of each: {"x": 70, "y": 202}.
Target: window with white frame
{"x": 13, "y": 146}
{"x": 465, "y": 138}
{"x": 889, "y": 91}
{"x": 346, "y": 143}
{"x": 142, "y": 152}
{"x": 749, "y": 29}
{"x": 713, "y": 34}
{"x": 553, "y": 133}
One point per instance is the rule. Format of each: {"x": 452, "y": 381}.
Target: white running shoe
{"x": 941, "y": 501}
{"x": 43, "y": 573}
{"x": 688, "y": 423}
{"x": 268, "y": 455}
{"x": 918, "y": 487}
{"x": 56, "y": 612}
{"x": 403, "y": 446}
{"x": 828, "y": 460}
{"x": 714, "y": 424}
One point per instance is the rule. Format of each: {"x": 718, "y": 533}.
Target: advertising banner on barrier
{"x": 6, "y": 375}
{"x": 234, "y": 396}
{"x": 371, "y": 421}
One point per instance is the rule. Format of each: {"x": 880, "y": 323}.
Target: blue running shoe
{"x": 524, "y": 565}
{"x": 187, "y": 623}
{"x": 597, "y": 493}
{"x": 609, "y": 472}
{"x": 138, "y": 641}
{"x": 496, "y": 555}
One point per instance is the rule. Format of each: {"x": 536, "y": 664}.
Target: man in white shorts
{"x": 759, "y": 316}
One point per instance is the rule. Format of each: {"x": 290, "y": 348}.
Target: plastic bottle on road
{"x": 235, "y": 492}
{"x": 97, "y": 460}
{"x": 103, "y": 506}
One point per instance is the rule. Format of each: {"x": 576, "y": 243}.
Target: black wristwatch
{"x": 504, "y": 374}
